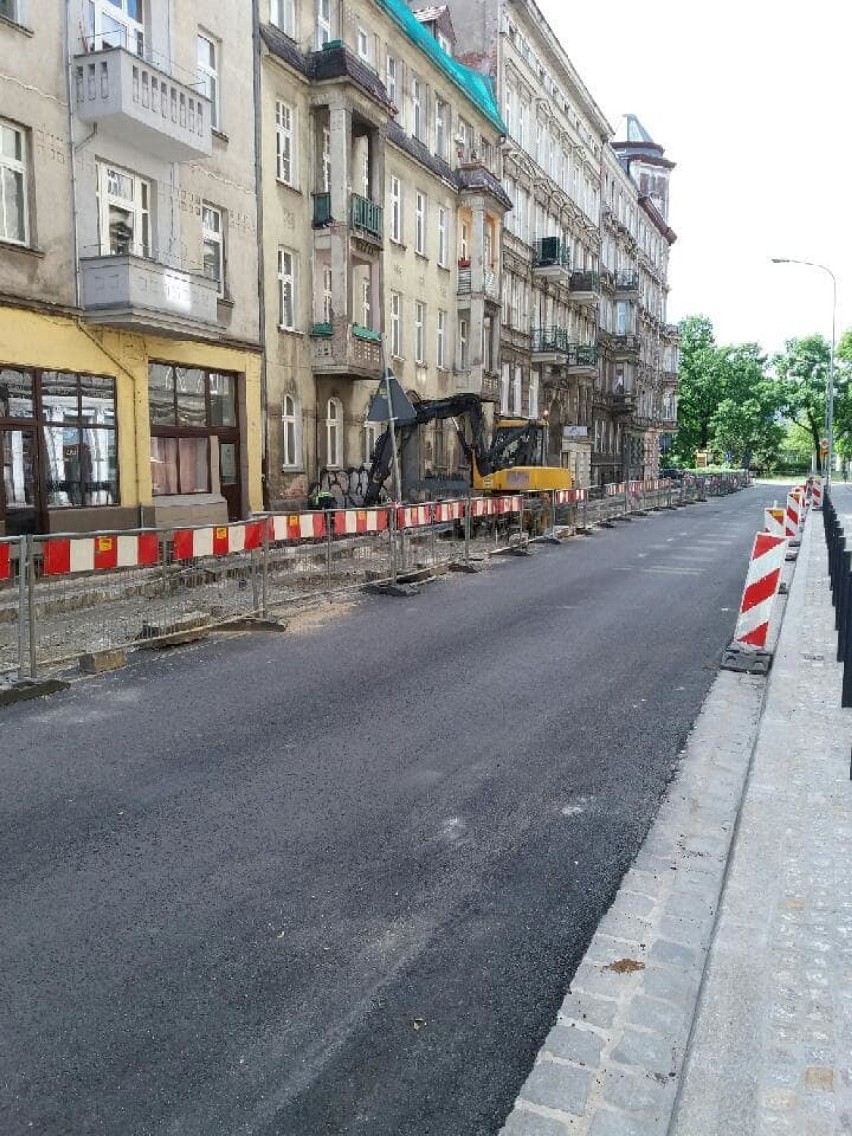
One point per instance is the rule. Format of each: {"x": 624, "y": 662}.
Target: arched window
{"x": 517, "y": 391}
{"x": 504, "y": 389}
{"x": 533, "y": 395}
{"x": 334, "y": 433}
{"x": 291, "y": 455}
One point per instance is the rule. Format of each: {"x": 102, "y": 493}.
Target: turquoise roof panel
{"x": 478, "y": 88}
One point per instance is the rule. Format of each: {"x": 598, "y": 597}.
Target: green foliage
{"x": 803, "y": 371}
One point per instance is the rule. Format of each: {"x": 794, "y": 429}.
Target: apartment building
{"x": 382, "y": 209}
{"x": 654, "y": 411}
{"x": 129, "y": 335}
{"x": 585, "y": 254}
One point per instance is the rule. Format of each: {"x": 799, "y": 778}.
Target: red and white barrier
{"x": 64, "y": 555}
{"x": 793, "y": 516}
{"x": 816, "y": 493}
{"x": 5, "y": 561}
{"x": 358, "y": 522}
{"x": 217, "y": 540}
{"x": 569, "y": 496}
{"x": 297, "y": 526}
{"x": 773, "y": 522}
{"x": 761, "y": 587}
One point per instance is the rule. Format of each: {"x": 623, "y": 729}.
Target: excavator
{"x": 513, "y": 461}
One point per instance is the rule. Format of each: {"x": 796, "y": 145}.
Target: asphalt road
{"x": 338, "y": 881}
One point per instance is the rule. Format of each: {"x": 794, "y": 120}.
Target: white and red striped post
{"x": 762, "y": 582}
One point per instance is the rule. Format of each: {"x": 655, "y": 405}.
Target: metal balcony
{"x": 478, "y": 382}
{"x": 626, "y": 345}
{"x": 139, "y": 294}
{"x": 489, "y": 283}
{"x": 549, "y": 344}
{"x": 142, "y": 105}
{"x": 366, "y": 218}
{"x": 582, "y": 358}
{"x": 623, "y": 403}
{"x": 627, "y": 283}
{"x": 551, "y": 258}
{"x": 322, "y": 210}
{"x": 585, "y": 287}
{"x": 349, "y": 350}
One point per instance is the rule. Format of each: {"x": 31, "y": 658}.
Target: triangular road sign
{"x": 403, "y": 411}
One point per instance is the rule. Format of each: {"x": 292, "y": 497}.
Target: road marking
{"x": 666, "y": 570}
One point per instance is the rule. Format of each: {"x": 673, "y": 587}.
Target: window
{"x": 523, "y": 122}
{"x": 123, "y": 212}
{"x": 282, "y": 14}
{"x": 290, "y": 434}
{"x": 284, "y": 164}
{"x": 14, "y": 222}
{"x": 9, "y": 10}
{"x": 464, "y": 134}
{"x": 533, "y": 396}
{"x": 441, "y": 124}
{"x": 192, "y": 412}
{"x": 504, "y": 389}
{"x": 517, "y": 389}
{"x": 324, "y": 35}
{"x": 363, "y": 41}
{"x": 488, "y": 343}
{"x": 396, "y": 325}
{"x": 116, "y": 23}
{"x": 214, "y": 247}
{"x": 327, "y": 309}
{"x": 325, "y": 160}
{"x": 208, "y": 76}
{"x": 391, "y": 78}
{"x": 334, "y": 433}
{"x": 369, "y": 437}
{"x": 396, "y": 209}
{"x": 464, "y": 236}
{"x": 419, "y": 332}
{"x": 443, "y": 242}
{"x": 57, "y": 443}
{"x": 441, "y": 352}
{"x": 444, "y": 43}
{"x": 286, "y": 289}
{"x": 365, "y": 303}
{"x": 416, "y": 108}
{"x": 464, "y": 357}
{"x": 420, "y": 223}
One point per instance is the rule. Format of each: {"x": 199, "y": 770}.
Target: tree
{"x": 803, "y": 370}
{"x": 697, "y": 382}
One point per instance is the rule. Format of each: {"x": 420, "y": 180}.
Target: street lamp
{"x": 829, "y": 394}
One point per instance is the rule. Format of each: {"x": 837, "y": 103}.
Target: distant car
{"x": 671, "y": 472}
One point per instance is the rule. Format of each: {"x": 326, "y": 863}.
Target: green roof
{"x": 477, "y": 87}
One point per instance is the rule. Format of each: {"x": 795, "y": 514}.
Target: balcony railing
{"x": 551, "y": 252}
{"x": 142, "y": 105}
{"x": 585, "y": 284}
{"x": 322, "y": 210}
{"x": 626, "y": 344}
{"x": 347, "y": 350}
{"x": 626, "y": 282}
{"x": 482, "y": 383}
{"x": 489, "y": 281}
{"x": 623, "y": 403}
{"x": 582, "y": 355}
{"x": 550, "y": 341}
{"x": 366, "y": 217}
{"x": 138, "y": 293}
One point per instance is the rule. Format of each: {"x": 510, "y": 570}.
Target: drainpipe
{"x": 69, "y": 86}
{"x": 261, "y": 271}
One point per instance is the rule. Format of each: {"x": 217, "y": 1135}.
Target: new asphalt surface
{"x": 338, "y": 880}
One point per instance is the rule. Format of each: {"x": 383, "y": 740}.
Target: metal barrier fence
{"x": 64, "y": 596}
{"x": 840, "y": 573}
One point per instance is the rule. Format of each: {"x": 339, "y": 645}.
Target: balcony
{"x": 139, "y": 294}
{"x": 551, "y": 259}
{"x": 582, "y": 359}
{"x": 549, "y": 345}
{"x": 585, "y": 287}
{"x": 482, "y": 383}
{"x": 627, "y": 285}
{"x": 365, "y": 218}
{"x": 322, "y": 210}
{"x": 623, "y": 403}
{"x": 143, "y": 106}
{"x": 339, "y": 349}
{"x": 626, "y": 346}
{"x": 671, "y": 331}
{"x": 489, "y": 280}
{"x": 669, "y": 378}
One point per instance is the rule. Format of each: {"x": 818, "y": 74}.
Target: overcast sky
{"x": 752, "y": 100}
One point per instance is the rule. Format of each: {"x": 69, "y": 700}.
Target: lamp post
{"x": 829, "y": 394}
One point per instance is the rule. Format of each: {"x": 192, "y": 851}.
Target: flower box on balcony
{"x": 464, "y": 262}
{"x": 367, "y": 333}
{"x": 321, "y": 330}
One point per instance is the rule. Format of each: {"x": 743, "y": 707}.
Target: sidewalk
{"x": 771, "y": 1050}
{"x": 716, "y": 995}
